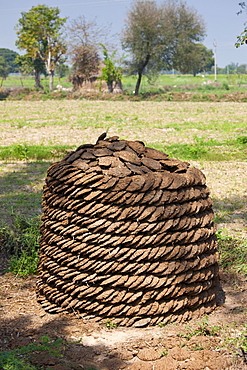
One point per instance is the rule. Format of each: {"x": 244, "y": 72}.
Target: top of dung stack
{"x": 123, "y": 165}
{"x": 121, "y": 158}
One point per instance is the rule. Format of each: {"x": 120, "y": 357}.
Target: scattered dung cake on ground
{"x": 127, "y": 236}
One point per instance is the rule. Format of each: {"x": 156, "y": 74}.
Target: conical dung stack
{"x": 127, "y": 235}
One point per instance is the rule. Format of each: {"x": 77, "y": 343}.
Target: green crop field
{"x": 203, "y": 84}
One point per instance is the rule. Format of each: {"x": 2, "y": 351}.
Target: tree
{"x": 194, "y": 58}
{"x": 243, "y": 7}
{"x": 4, "y": 70}
{"x": 28, "y": 66}
{"x": 187, "y": 29}
{"x": 242, "y": 38}
{"x": 39, "y": 33}
{"x": 62, "y": 69}
{"x": 85, "y": 64}
{"x": 110, "y": 73}
{"x": 242, "y": 69}
{"x": 141, "y": 37}
{"x": 83, "y": 45}
{"x": 9, "y": 56}
{"x": 155, "y": 36}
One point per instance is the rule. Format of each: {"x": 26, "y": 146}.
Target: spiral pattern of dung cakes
{"x": 127, "y": 235}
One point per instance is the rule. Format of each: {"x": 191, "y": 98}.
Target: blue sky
{"x": 223, "y": 23}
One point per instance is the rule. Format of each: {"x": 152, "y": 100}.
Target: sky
{"x": 223, "y": 25}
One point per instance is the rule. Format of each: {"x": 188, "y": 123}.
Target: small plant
{"x": 225, "y": 86}
{"x": 203, "y": 329}
{"x": 110, "y": 325}
{"x": 242, "y": 139}
{"x": 198, "y": 347}
{"x": 163, "y": 324}
{"x": 169, "y": 96}
{"x": 164, "y": 352}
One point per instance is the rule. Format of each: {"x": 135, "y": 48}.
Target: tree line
{"x": 154, "y": 38}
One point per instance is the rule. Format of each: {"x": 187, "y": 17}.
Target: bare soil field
{"x": 91, "y": 345}
{"x": 73, "y": 122}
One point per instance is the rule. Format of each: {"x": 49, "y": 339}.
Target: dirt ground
{"x": 90, "y": 345}
{"x": 87, "y": 343}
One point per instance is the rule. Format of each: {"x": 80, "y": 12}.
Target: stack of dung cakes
{"x": 127, "y": 235}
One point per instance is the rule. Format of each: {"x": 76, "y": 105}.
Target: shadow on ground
{"x": 19, "y": 332}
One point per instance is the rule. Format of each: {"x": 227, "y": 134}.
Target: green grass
{"x": 201, "y": 149}
{"x": 233, "y": 254}
{"x": 207, "y": 150}
{"x": 26, "y": 152}
{"x": 201, "y": 86}
{"x": 21, "y": 190}
{"x": 239, "y": 342}
{"x": 21, "y": 243}
{"x": 188, "y": 83}
{"x": 28, "y": 82}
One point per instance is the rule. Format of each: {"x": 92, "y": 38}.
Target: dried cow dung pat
{"x": 127, "y": 235}
{"x": 128, "y": 157}
{"x": 152, "y": 164}
{"x": 137, "y": 146}
{"x": 155, "y": 154}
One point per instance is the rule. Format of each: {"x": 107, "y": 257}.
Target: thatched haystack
{"x": 127, "y": 235}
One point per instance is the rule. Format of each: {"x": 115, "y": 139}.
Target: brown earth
{"x": 86, "y": 342}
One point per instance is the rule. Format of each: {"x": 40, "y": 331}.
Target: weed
{"x": 110, "y": 325}
{"x": 225, "y": 86}
{"x": 242, "y": 139}
{"x": 169, "y": 96}
{"x": 203, "y": 329}
{"x": 198, "y": 347}
{"x": 164, "y": 352}
{"x": 163, "y": 324}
